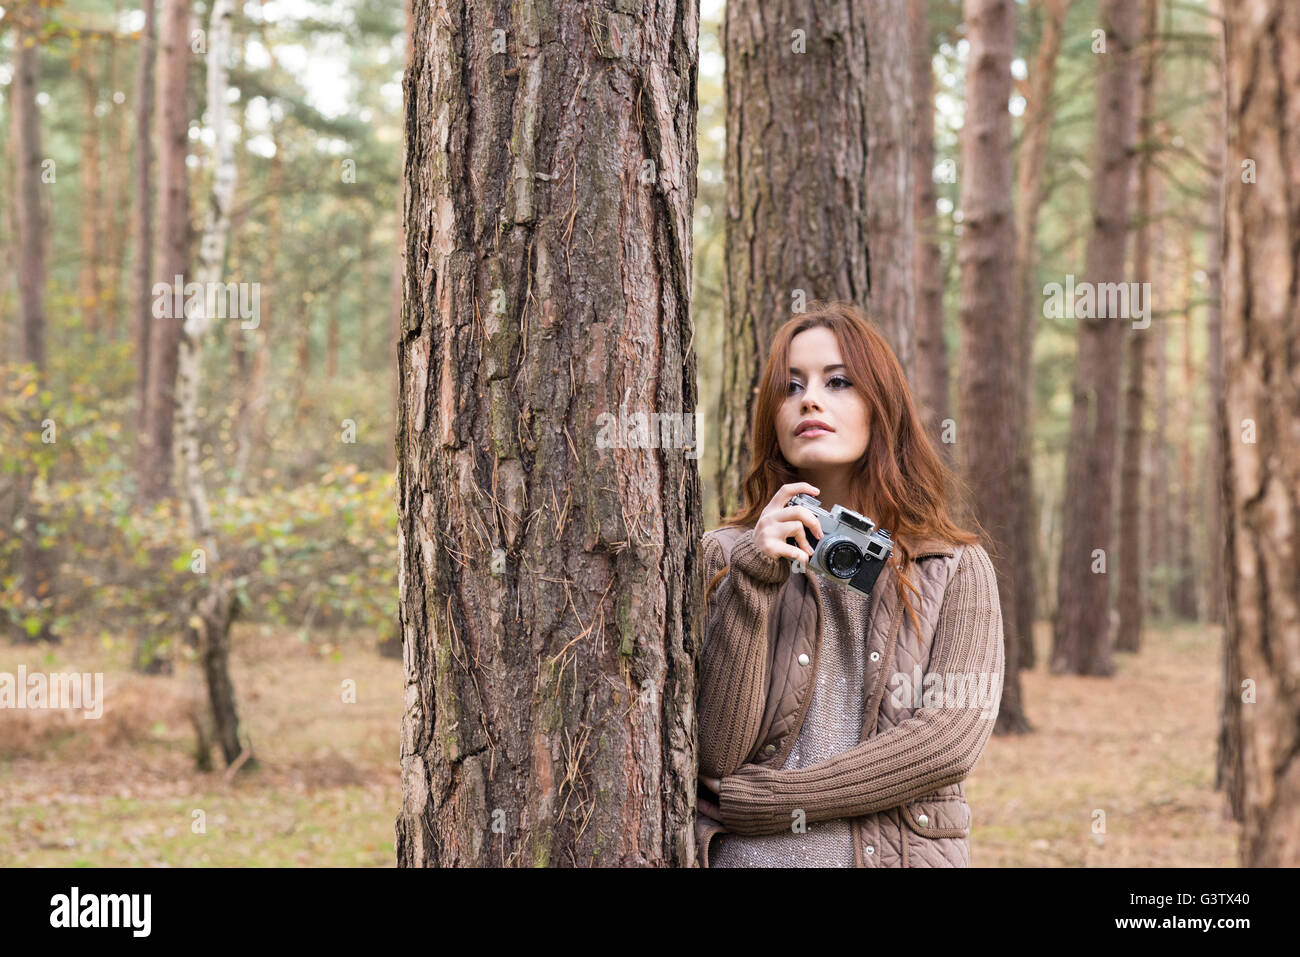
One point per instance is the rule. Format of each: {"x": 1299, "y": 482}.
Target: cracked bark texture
{"x": 987, "y": 427}
{"x": 1261, "y": 352}
{"x": 547, "y": 584}
{"x": 819, "y": 185}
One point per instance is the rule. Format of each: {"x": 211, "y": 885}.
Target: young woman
{"x": 836, "y": 728}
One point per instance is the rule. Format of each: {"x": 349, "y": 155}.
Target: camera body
{"x": 851, "y": 551}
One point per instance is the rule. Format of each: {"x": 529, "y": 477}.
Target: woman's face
{"x": 818, "y": 388}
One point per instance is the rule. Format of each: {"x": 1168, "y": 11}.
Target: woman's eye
{"x": 838, "y": 381}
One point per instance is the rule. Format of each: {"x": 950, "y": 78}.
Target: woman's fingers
{"x": 789, "y": 491}
{"x": 708, "y": 808}
{"x": 794, "y": 528}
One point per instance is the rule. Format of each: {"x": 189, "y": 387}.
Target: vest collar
{"x": 929, "y": 547}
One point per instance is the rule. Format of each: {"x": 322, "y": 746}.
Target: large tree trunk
{"x": 215, "y": 607}
{"x": 1261, "y": 344}
{"x": 172, "y": 256}
{"x": 987, "y": 384}
{"x": 1038, "y": 116}
{"x": 931, "y": 382}
{"x": 813, "y": 165}
{"x": 1081, "y": 641}
{"x": 1132, "y": 565}
{"x": 547, "y": 584}
{"x": 142, "y": 281}
{"x": 890, "y": 121}
{"x": 36, "y": 578}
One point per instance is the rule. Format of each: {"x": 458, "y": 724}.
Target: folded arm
{"x": 733, "y": 674}
{"x": 935, "y": 747}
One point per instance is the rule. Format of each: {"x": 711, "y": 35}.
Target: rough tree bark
{"x": 1132, "y": 565}
{"x": 986, "y": 379}
{"x": 818, "y": 154}
{"x": 931, "y": 383}
{"x": 1261, "y": 345}
{"x": 1032, "y": 160}
{"x": 547, "y": 583}
{"x": 172, "y": 256}
{"x": 1081, "y": 640}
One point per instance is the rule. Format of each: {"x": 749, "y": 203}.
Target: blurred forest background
{"x": 294, "y": 425}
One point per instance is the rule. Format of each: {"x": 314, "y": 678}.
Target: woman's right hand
{"x": 780, "y": 521}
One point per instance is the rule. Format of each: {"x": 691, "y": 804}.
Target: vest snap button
{"x": 875, "y": 656}
{"x": 804, "y": 659}
{"x": 870, "y": 849}
{"x": 922, "y": 820}
{"x": 770, "y": 749}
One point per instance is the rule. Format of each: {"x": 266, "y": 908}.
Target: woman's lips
{"x": 812, "y": 433}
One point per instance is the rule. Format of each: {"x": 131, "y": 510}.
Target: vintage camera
{"x": 851, "y": 551}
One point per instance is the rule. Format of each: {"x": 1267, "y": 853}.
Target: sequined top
{"x": 833, "y": 724}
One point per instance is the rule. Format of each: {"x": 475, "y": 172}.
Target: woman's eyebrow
{"x": 838, "y": 365}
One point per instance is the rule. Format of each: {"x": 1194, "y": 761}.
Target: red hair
{"x": 901, "y": 482}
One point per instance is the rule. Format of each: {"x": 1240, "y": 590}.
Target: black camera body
{"x": 851, "y": 550}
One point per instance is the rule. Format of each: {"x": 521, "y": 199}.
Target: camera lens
{"x": 843, "y": 559}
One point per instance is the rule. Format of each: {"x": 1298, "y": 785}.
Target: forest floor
{"x": 1138, "y": 747}
{"x": 122, "y": 790}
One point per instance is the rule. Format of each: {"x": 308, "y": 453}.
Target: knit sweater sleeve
{"x": 734, "y": 657}
{"x": 934, "y": 747}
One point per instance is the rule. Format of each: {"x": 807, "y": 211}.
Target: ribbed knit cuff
{"x": 745, "y": 802}
{"x": 750, "y": 559}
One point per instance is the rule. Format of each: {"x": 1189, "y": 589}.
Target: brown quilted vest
{"x": 932, "y": 831}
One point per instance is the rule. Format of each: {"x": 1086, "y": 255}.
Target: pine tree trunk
{"x": 1132, "y": 570}
{"x": 931, "y": 383}
{"x": 1185, "y": 601}
{"x": 1216, "y": 604}
{"x": 173, "y": 251}
{"x": 1032, "y": 160}
{"x": 1157, "y": 590}
{"x": 548, "y": 587}
{"x": 1228, "y": 770}
{"x": 89, "y": 295}
{"x": 1081, "y": 641}
{"x": 986, "y": 442}
{"x": 891, "y": 233}
{"x": 117, "y": 176}
{"x": 1261, "y": 345}
{"x": 142, "y": 302}
{"x": 36, "y": 578}
{"x": 802, "y": 183}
